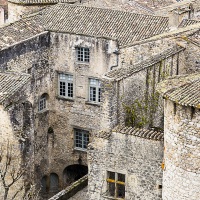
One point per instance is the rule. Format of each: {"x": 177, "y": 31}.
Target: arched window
{"x": 54, "y": 182}
{"x": 44, "y": 184}
{"x": 42, "y": 104}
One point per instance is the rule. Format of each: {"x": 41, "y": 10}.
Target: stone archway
{"x": 73, "y": 172}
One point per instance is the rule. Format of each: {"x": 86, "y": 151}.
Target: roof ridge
{"x": 122, "y": 11}
{"x": 151, "y": 133}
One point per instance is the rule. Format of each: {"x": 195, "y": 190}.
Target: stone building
{"x": 125, "y": 164}
{"x": 82, "y": 62}
{"x": 16, "y": 134}
{"x": 181, "y": 178}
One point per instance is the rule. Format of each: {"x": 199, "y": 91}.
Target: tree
{"x": 12, "y": 171}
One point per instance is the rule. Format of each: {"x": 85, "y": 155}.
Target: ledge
{"x": 92, "y": 103}
{"x": 64, "y": 98}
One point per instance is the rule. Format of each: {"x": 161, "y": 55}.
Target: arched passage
{"x": 74, "y": 172}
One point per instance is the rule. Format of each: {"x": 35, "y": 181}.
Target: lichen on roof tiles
{"x": 10, "y": 83}
{"x": 126, "y": 27}
{"x": 183, "y": 89}
{"x": 20, "y": 30}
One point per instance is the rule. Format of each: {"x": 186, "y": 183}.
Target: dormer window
{"x": 83, "y": 54}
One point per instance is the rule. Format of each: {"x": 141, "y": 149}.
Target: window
{"x": 94, "y": 90}
{"x": 66, "y": 85}
{"x": 83, "y": 54}
{"x": 116, "y": 185}
{"x": 81, "y": 139}
{"x": 42, "y": 102}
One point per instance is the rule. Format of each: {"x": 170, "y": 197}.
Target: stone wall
{"x": 55, "y": 149}
{"x": 135, "y": 92}
{"x": 137, "y": 158}
{"x": 181, "y": 179}
{"x": 16, "y": 121}
{"x": 141, "y": 50}
{"x": 26, "y": 54}
{"x": 16, "y": 11}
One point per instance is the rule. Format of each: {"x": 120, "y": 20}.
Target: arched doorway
{"x": 74, "y": 172}
{"x": 54, "y": 182}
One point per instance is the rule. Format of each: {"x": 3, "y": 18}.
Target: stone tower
{"x": 181, "y": 175}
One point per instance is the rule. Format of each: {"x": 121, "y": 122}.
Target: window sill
{"x": 92, "y": 103}
{"x": 65, "y": 98}
{"x": 79, "y": 149}
{"x": 82, "y": 63}
{"x": 43, "y": 111}
{"x": 113, "y": 198}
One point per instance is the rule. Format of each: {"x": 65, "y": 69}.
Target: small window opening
{"x": 115, "y": 185}
{"x": 83, "y": 54}
{"x": 159, "y": 186}
{"x": 43, "y": 102}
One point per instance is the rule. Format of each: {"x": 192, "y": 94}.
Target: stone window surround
{"x": 97, "y": 87}
{"x": 82, "y": 54}
{"x": 115, "y": 181}
{"x": 80, "y": 141}
{"x": 42, "y": 103}
{"x": 66, "y": 96}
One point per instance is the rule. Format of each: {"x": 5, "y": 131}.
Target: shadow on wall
{"x": 73, "y": 172}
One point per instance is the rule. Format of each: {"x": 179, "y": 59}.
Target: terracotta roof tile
{"x": 184, "y": 90}
{"x": 20, "y": 30}
{"x": 126, "y": 27}
{"x": 10, "y": 83}
{"x": 26, "y": 2}
{"x": 188, "y": 22}
{"x": 143, "y": 133}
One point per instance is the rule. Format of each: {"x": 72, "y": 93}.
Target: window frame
{"x": 82, "y": 54}
{"x": 67, "y": 86}
{"x": 82, "y": 140}
{"x": 97, "y": 93}
{"x": 42, "y": 103}
{"x": 116, "y": 186}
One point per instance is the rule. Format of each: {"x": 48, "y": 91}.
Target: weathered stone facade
{"x": 129, "y": 73}
{"x": 139, "y": 159}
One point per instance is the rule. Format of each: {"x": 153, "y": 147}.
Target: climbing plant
{"x": 140, "y": 113}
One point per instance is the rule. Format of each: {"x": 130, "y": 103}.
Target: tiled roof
{"x": 188, "y": 22}
{"x": 126, "y": 27}
{"x": 184, "y": 90}
{"x": 20, "y": 30}
{"x": 138, "y": 132}
{"x": 26, "y": 2}
{"x": 10, "y": 83}
{"x": 124, "y": 72}
{"x": 143, "y": 133}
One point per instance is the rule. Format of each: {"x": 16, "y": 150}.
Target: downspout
{"x": 116, "y": 52}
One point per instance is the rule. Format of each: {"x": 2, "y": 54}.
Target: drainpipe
{"x": 116, "y": 52}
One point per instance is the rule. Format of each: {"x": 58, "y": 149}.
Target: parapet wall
{"x": 125, "y": 151}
